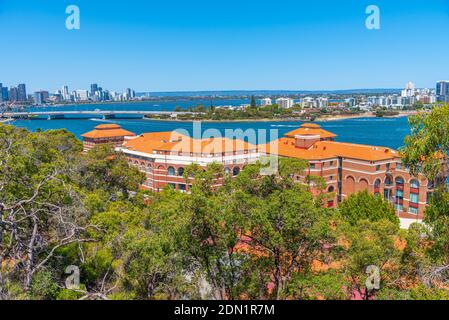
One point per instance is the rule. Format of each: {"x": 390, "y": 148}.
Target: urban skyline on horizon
{"x": 208, "y": 47}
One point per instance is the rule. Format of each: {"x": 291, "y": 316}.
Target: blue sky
{"x": 224, "y": 45}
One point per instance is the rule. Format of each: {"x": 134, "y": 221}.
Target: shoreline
{"x": 323, "y": 119}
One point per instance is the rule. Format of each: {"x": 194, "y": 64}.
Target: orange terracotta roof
{"x": 176, "y": 142}
{"x": 328, "y": 149}
{"x": 310, "y": 129}
{"x": 107, "y": 131}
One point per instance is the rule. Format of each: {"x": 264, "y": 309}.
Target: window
{"x": 235, "y": 171}
{"x": 227, "y": 171}
{"x": 312, "y": 166}
{"x": 413, "y": 210}
{"x": 414, "y": 184}
{"x": 181, "y": 187}
{"x": 331, "y": 163}
{"x": 331, "y": 178}
{"x": 331, "y": 189}
{"x": 399, "y": 207}
{"x": 377, "y": 184}
{"x": 171, "y": 171}
{"x": 172, "y": 185}
{"x": 378, "y": 167}
{"x": 388, "y": 166}
{"x": 180, "y": 171}
{"x": 398, "y": 165}
{"x": 414, "y": 198}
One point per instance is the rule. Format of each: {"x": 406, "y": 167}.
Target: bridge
{"x": 105, "y": 114}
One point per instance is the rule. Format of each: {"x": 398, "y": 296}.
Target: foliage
{"x": 365, "y": 206}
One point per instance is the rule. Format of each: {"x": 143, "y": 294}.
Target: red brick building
{"x": 347, "y": 168}
{"x": 105, "y": 134}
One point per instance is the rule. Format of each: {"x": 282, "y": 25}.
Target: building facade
{"x": 105, "y": 134}
{"x": 163, "y": 157}
{"x": 350, "y": 168}
{"x": 346, "y": 168}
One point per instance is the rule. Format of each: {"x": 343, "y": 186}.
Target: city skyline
{"x": 155, "y": 47}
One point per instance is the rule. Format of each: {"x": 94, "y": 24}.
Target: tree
{"x": 425, "y": 152}
{"x": 253, "y": 102}
{"x": 365, "y": 206}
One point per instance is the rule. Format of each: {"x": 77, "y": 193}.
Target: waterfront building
{"x": 105, "y": 134}
{"x": 349, "y": 168}
{"x": 163, "y": 157}
{"x": 409, "y": 90}
{"x": 345, "y": 167}
{"x": 322, "y": 102}
{"x": 266, "y": 102}
{"x": 284, "y": 103}
{"x": 40, "y": 97}
{"x": 81, "y": 95}
{"x": 442, "y": 91}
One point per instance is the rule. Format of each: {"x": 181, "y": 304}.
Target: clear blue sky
{"x": 224, "y": 44}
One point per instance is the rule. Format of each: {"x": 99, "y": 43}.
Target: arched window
{"x": 235, "y": 171}
{"x": 331, "y": 189}
{"x": 388, "y": 180}
{"x": 171, "y": 171}
{"x": 363, "y": 184}
{"x": 180, "y": 171}
{"x": 399, "y": 181}
{"x": 377, "y": 183}
{"x": 227, "y": 171}
{"x": 414, "y": 184}
{"x": 349, "y": 185}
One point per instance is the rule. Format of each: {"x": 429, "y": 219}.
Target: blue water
{"x": 388, "y": 132}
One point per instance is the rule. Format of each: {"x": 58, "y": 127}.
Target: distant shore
{"x": 319, "y": 119}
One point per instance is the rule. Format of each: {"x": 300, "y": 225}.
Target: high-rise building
{"x": 13, "y": 94}
{"x": 1, "y": 92}
{"x": 442, "y": 91}
{"x": 284, "y": 103}
{"x": 5, "y": 94}
{"x": 266, "y": 102}
{"x": 65, "y": 93}
{"x": 41, "y": 97}
{"x": 81, "y": 95}
{"x": 93, "y": 89}
{"x": 21, "y": 92}
{"x": 130, "y": 94}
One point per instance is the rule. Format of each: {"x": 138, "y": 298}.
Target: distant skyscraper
{"x": 13, "y": 94}
{"x": 1, "y": 92}
{"x": 442, "y": 91}
{"x": 93, "y": 89}
{"x": 39, "y": 97}
{"x": 65, "y": 93}
{"x": 5, "y": 95}
{"x": 21, "y": 92}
